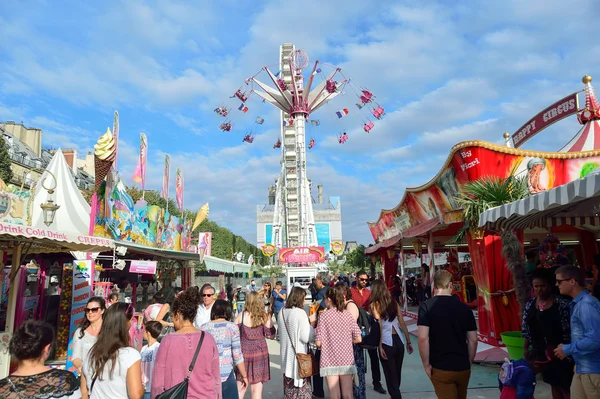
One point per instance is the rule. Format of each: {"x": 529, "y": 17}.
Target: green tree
{"x": 357, "y": 260}
{"x": 6, "y": 173}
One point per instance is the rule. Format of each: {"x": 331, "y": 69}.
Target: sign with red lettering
{"x": 37, "y": 232}
{"x": 143, "y": 266}
{"x": 302, "y": 255}
{"x": 557, "y": 111}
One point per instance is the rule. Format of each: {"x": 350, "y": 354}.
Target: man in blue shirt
{"x": 279, "y": 296}
{"x": 585, "y": 333}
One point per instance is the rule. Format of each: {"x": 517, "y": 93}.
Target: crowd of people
{"x": 196, "y": 336}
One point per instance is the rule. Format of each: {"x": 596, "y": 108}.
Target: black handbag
{"x": 180, "y": 391}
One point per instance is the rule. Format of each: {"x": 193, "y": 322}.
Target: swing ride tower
{"x": 293, "y": 220}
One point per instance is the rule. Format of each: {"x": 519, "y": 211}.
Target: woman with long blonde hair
{"x": 255, "y": 326}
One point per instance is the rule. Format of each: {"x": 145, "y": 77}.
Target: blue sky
{"x": 444, "y": 74}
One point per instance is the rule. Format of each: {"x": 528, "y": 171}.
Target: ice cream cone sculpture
{"x": 105, "y": 152}
{"x": 201, "y": 215}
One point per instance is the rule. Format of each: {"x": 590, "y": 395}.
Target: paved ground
{"x": 415, "y": 384}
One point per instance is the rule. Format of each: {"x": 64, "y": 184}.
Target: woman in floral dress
{"x": 255, "y": 326}
{"x": 336, "y": 331}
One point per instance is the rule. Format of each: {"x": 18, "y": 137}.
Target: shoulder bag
{"x": 307, "y": 363}
{"x": 180, "y": 391}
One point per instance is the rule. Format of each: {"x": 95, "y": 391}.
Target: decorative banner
{"x": 302, "y": 255}
{"x": 143, "y": 266}
{"x": 82, "y": 286}
{"x": 166, "y": 175}
{"x": 269, "y": 250}
{"x": 557, "y": 111}
{"x": 468, "y": 162}
{"x": 179, "y": 188}
{"x": 337, "y": 247}
{"x": 139, "y": 176}
{"x": 116, "y": 138}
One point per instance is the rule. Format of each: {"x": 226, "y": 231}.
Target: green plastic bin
{"x": 514, "y": 342}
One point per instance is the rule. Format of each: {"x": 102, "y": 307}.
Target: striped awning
{"x": 572, "y": 203}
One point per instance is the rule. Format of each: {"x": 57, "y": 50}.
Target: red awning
{"x": 390, "y": 242}
{"x": 422, "y": 228}
{"x": 415, "y": 231}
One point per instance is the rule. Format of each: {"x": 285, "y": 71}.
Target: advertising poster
{"x": 82, "y": 287}
{"x": 143, "y": 266}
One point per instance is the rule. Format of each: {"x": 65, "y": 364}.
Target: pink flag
{"x": 179, "y": 188}
{"x": 166, "y": 175}
{"x": 139, "y": 176}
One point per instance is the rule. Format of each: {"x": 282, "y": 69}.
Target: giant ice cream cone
{"x": 104, "y": 155}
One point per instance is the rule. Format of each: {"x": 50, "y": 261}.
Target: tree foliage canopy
{"x": 6, "y": 173}
{"x": 485, "y": 193}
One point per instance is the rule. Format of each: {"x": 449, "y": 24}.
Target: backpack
{"x": 507, "y": 373}
{"x": 370, "y": 329}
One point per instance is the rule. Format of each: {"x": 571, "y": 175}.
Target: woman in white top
{"x": 295, "y": 331}
{"x": 394, "y": 335}
{"x": 85, "y": 335}
{"x": 114, "y": 368}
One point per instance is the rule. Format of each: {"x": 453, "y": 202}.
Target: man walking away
{"x": 321, "y": 284}
{"x": 447, "y": 340}
{"x": 360, "y": 296}
{"x": 585, "y": 333}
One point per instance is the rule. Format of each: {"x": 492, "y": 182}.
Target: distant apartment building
{"x": 29, "y": 159}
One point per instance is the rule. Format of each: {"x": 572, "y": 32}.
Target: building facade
{"x": 29, "y": 159}
{"x": 327, "y": 216}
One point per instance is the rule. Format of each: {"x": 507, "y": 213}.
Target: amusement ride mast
{"x": 293, "y": 220}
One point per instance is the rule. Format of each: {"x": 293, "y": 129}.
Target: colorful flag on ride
{"x": 342, "y": 112}
{"x": 243, "y": 108}
{"x": 139, "y": 176}
{"x": 359, "y": 105}
{"x": 179, "y": 188}
{"x": 260, "y": 120}
{"x": 284, "y": 123}
{"x": 167, "y": 172}
{"x": 315, "y": 122}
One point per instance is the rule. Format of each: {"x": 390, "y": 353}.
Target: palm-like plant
{"x": 485, "y": 193}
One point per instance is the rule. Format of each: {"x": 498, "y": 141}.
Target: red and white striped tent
{"x": 588, "y": 138}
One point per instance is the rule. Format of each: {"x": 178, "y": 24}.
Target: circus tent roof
{"x": 73, "y": 216}
{"x": 588, "y": 138}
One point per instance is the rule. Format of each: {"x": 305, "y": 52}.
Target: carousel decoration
{"x": 550, "y": 250}
{"x": 588, "y": 138}
{"x": 269, "y": 250}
